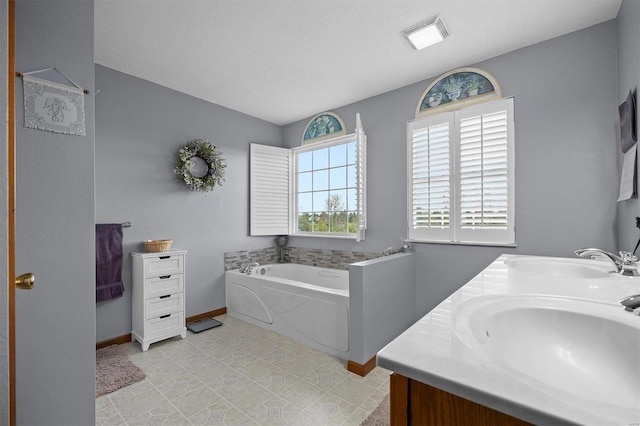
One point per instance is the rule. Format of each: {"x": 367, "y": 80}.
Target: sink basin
{"x": 562, "y": 268}
{"x": 569, "y": 347}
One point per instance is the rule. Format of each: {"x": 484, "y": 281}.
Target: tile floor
{"x": 241, "y": 374}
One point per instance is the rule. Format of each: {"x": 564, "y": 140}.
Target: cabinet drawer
{"x": 167, "y": 304}
{"x": 162, "y": 285}
{"x": 164, "y": 264}
{"x": 164, "y": 324}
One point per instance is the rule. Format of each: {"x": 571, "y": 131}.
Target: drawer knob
{"x": 164, "y": 257}
{"x": 164, "y": 277}
{"x": 165, "y": 296}
{"x": 165, "y": 316}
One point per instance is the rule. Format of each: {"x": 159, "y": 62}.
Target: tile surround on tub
{"x": 234, "y": 259}
{"x": 336, "y": 259}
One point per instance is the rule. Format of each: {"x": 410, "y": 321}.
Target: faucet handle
{"x": 627, "y": 257}
{"x": 631, "y": 304}
{"x": 627, "y": 265}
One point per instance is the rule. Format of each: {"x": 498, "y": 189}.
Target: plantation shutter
{"x": 361, "y": 179}
{"x": 484, "y": 175}
{"x": 429, "y": 177}
{"x": 270, "y": 189}
{"x": 460, "y": 175}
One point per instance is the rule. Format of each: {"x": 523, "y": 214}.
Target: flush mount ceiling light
{"x": 426, "y": 33}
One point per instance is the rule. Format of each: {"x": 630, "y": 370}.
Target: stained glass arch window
{"x": 457, "y": 88}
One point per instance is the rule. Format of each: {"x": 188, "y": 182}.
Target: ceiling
{"x": 285, "y": 60}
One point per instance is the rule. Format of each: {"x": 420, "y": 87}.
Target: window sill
{"x": 331, "y": 236}
{"x": 462, "y": 243}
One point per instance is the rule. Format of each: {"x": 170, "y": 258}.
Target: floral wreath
{"x": 216, "y": 165}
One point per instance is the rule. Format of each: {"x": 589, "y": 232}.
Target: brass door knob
{"x": 25, "y": 281}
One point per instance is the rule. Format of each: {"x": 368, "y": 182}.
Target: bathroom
{"x": 566, "y": 91}
{"x": 584, "y": 196}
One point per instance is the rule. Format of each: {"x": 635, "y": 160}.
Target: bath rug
{"x": 114, "y": 370}
{"x": 381, "y": 416}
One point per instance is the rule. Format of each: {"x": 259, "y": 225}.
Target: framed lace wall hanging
{"x": 51, "y": 106}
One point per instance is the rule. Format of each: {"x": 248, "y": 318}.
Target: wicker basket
{"x": 157, "y": 245}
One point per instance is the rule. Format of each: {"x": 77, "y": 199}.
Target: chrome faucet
{"x": 247, "y": 267}
{"x": 625, "y": 263}
{"x": 389, "y": 251}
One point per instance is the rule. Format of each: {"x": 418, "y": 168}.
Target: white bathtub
{"x": 306, "y": 303}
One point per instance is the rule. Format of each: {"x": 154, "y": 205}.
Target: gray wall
{"x": 4, "y": 318}
{"x": 628, "y": 79}
{"x": 139, "y": 128}
{"x": 377, "y": 310}
{"x": 55, "y": 322}
{"x": 566, "y": 176}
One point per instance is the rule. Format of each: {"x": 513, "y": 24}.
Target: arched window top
{"x": 323, "y": 126}
{"x": 457, "y": 88}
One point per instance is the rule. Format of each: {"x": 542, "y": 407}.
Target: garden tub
{"x": 307, "y": 303}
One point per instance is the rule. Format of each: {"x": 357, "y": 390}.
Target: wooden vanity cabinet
{"x": 415, "y": 403}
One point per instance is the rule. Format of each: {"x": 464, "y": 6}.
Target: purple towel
{"x": 109, "y": 261}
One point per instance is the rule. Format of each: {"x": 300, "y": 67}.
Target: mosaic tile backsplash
{"x": 336, "y": 259}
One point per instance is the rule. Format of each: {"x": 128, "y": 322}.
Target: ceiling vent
{"x": 426, "y": 33}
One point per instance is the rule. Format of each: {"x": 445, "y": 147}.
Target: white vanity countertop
{"x": 434, "y": 350}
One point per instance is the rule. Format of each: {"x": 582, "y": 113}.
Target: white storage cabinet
{"x": 157, "y": 306}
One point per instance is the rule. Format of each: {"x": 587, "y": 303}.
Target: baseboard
{"x": 209, "y": 314}
{"x": 359, "y": 369}
{"x": 127, "y": 337}
{"x": 115, "y": 341}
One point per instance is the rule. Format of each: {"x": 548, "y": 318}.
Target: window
{"x": 326, "y": 188}
{"x": 314, "y": 190}
{"x": 461, "y": 175}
